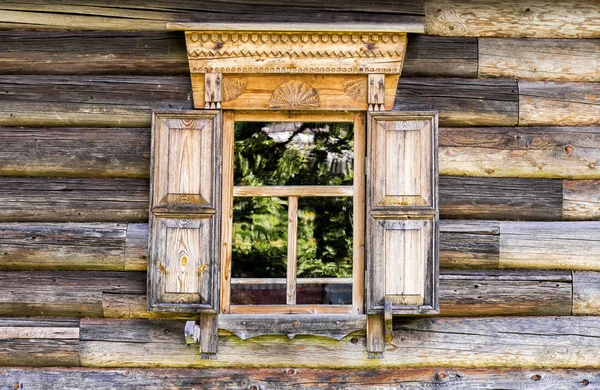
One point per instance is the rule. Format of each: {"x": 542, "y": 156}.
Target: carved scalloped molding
{"x": 295, "y": 52}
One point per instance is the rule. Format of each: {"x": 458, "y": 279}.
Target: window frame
{"x": 358, "y": 118}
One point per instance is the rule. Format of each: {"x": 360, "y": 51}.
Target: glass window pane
{"x": 293, "y": 153}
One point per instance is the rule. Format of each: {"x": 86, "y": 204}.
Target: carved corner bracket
{"x": 262, "y": 70}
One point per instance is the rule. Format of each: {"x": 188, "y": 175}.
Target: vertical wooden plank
{"x": 292, "y": 249}
{"x": 359, "y": 208}
{"x": 227, "y": 201}
{"x": 376, "y": 92}
{"x": 182, "y": 253}
{"x": 184, "y": 162}
{"x": 395, "y": 161}
{"x": 375, "y": 336}
{"x": 212, "y": 90}
{"x": 209, "y": 335}
{"x": 395, "y": 243}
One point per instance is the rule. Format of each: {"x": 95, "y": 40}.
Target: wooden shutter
{"x": 402, "y": 222}
{"x": 185, "y": 212}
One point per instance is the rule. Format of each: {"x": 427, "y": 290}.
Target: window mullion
{"x": 292, "y": 249}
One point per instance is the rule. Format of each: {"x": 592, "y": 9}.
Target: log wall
{"x": 517, "y": 86}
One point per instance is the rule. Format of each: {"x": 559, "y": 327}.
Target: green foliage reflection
{"x": 293, "y": 154}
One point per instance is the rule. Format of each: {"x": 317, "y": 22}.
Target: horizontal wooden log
{"x": 535, "y": 152}
{"x": 464, "y": 244}
{"x": 461, "y": 102}
{"x": 428, "y": 56}
{"x": 565, "y": 245}
{"x": 39, "y": 342}
{"x": 98, "y": 101}
{"x": 545, "y": 103}
{"x": 469, "y": 244}
{"x": 500, "y": 198}
{"x": 540, "y": 59}
{"x": 154, "y": 15}
{"x": 73, "y": 200}
{"x": 294, "y": 378}
{"x": 581, "y": 199}
{"x": 126, "y": 200}
{"x": 70, "y": 53}
{"x": 586, "y": 293}
{"x": 75, "y": 152}
{"x": 164, "y": 53}
{"x": 510, "y": 18}
{"x": 542, "y": 342}
{"x": 123, "y": 294}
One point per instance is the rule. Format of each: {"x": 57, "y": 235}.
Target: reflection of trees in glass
{"x": 293, "y": 154}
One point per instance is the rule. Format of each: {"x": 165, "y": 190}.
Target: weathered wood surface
{"x": 126, "y": 101}
{"x": 164, "y": 53}
{"x": 461, "y": 102}
{"x": 123, "y": 294}
{"x": 565, "y": 245}
{"x": 109, "y": 101}
{"x": 428, "y": 56}
{"x": 511, "y": 18}
{"x": 83, "y": 378}
{"x": 58, "y": 246}
{"x": 73, "y": 200}
{"x": 542, "y": 342}
{"x": 295, "y": 378}
{"x": 586, "y": 293}
{"x": 545, "y": 103}
{"x": 540, "y": 59}
{"x": 581, "y": 199}
{"x": 464, "y": 244}
{"x": 469, "y": 244}
{"x": 135, "y": 15}
{"x": 535, "y": 152}
{"x": 71, "y": 53}
{"x": 39, "y": 342}
{"x": 76, "y": 152}
{"x": 126, "y": 200}
{"x": 500, "y": 198}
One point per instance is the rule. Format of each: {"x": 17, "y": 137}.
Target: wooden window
{"x": 280, "y": 286}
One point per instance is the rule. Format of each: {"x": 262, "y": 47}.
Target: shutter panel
{"x": 402, "y": 221}
{"x": 185, "y": 212}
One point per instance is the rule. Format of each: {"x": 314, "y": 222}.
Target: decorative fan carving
{"x": 233, "y": 87}
{"x": 356, "y": 89}
{"x": 294, "y": 94}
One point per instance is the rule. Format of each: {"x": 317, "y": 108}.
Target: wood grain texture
{"x": 500, "y": 198}
{"x": 543, "y": 342}
{"x": 64, "y": 293}
{"x": 294, "y": 378}
{"x": 135, "y": 15}
{"x": 63, "y": 246}
{"x": 75, "y": 152}
{"x": 430, "y": 56}
{"x": 581, "y": 199}
{"x": 123, "y": 294}
{"x": 98, "y": 101}
{"x": 540, "y": 59}
{"x": 73, "y": 200}
{"x": 510, "y": 18}
{"x": 565, "y": 245}
{"x": 586, "y": 293}
{"x": 461, "y": 102}
{"x": 92, "y": 52}
{"x": 464, "y": 244}
{"x": 545, "y": 103}
{"x": 534, "y": 152}
{"x": 164, "y": 53}
{"x": 469, "y": 244}
{"x": 39, "y": 342}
